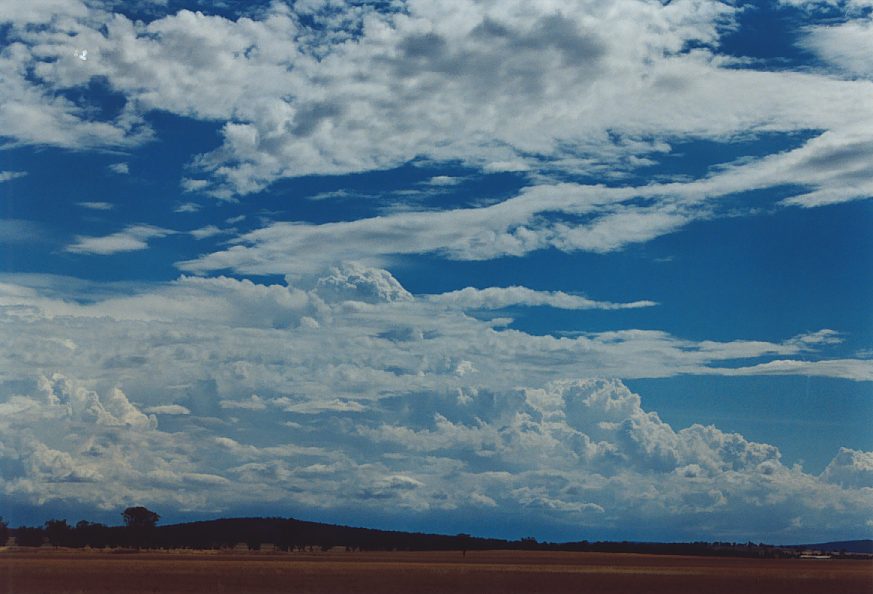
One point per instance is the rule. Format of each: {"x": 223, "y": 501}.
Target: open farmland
{"x": 65, "y": 571}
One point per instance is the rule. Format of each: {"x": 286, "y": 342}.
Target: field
{"x": 47, "y": 571}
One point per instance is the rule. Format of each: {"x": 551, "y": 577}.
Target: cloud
{"x": 444, "y": 180}
{"x": 344, "y": 339}
{"x": 19, "y": 231}
{"x": 499, "y": 297}
{"x": 563, "y": 453}
{"x": 347, "y": 391}
{"x": 253, "y": 402}
{"x": 32, "y": 112}
{"x": 96, "y": 205}
{"x": 827, "y": 169}
{"x": 850, "y": 468}
{"x": 513, "y": 227}
{"x": 207, "y": 231}
{"x": 845, "y": 45}
{"x": 353, "y": 281}
{"x": 119, "y": 168}
{"x": 333, "y": 194}
{"x": 167, "y": 409}
{"x": 559, "y": 94}
{"x": 193, "y": 185}
{"x": 10, "y": 175}
{"x": 855, "y": 369}
{"x": 851, "y": 6}
{"x": 187, "y": 207}
{"x": 573, "y": 90}
{"x": 131, "y": 239}
{"x": 40, "y": 11}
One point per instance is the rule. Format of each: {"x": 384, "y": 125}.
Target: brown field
{"x": 68, "y": 571}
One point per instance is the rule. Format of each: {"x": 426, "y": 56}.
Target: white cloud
{"x": 187, "y": 207}
{"x": 553, "y": 90}
{"x": 132, "y": 238}
{"x": 850, "y": 468}
{"x": 350, "y": 391}
{"x": 852, "y": 6}
{"x": 352, "y": 281}
{"x": 32, "y": 113}
{"x": 10, "y": 175}
{"x": 563, "y": 453}
{"x": 444, "y": 180}
{"x": 500, "y": 297}
{"x": 207, "y": 231}
{"x": 513, "y": 227}
{"x": 253, "y": 402}
{"x": 193, "y": 185}
{"x": 499, "y": 86}
{"x": 96, "y": 205}
{"x": 120, "y": 168}
{"x": 167, "y": 409}
{"x": 846, "y": 45}
{"x": 19, "y": 231}
{"x": 40, "y": 11}
{"x": 353, "y": 336}
{"x": 830, "y": 168}
{"x": 855, "y": 369}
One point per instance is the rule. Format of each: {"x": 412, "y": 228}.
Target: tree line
{"x": 140, "y": 530}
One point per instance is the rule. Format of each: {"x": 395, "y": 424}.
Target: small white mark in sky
{"x": 82, "y": 54}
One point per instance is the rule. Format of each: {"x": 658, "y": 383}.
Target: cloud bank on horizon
{"x": 221, "y": 323}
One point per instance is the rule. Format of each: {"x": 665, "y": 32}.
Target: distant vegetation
{"x": 140, "y": 530}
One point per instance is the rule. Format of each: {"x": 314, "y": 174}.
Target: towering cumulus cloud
{"x": 352, "y": 393}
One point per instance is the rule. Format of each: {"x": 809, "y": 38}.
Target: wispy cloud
{"x": 538, "y": 218}
{"x": 193, "y": 185}
{"x": 424, "y": 341}
{"x": 500, "y": 297}
{"x": 444, "y": 180}
{"x": 253, "y": 402}
{"x": 854, "y": 369}
{"x": 207, "y": 231}
{"x": 10, "y": 175}
{"x": 167, "y": 409}
{"x": 96, "y": 205}
{"x": 187, "y": 207}
{"x": 133, "y": 238}
{"x": 20, "y": 231}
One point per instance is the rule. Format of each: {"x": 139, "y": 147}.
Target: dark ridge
{"x": 288, "y": 534}
{"x": 840, "y": 546}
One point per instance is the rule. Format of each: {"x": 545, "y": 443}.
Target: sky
{"x": 571, "y": 270}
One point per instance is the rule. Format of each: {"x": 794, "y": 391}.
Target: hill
{"x": 847, "y": 546}
{"x": 291, "y": 534}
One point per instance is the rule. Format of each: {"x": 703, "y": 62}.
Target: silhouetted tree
{"x": 140, "y": 522}
{"x": 29, "y": 537}
{"x": 140, "y": 517}
{"x": 90, "y": 534}
{"x": 4, "y": 531}
{"x": 463, "y": 540}
{"x": 58, "y": 532}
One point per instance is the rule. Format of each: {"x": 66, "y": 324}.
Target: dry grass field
{"x": 71, "y": 571}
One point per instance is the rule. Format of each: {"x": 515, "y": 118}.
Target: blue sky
{"x": 577, "y": 270}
